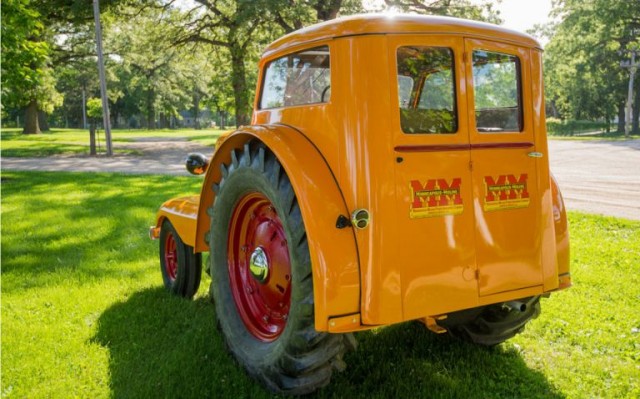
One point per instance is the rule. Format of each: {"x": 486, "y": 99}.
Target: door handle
{"x": 535, "y": 154}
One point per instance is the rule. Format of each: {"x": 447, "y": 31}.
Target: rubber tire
{"x": 301, "y": 359}
{"x": 189, "y": 270}
{"x": 493, "y": 324}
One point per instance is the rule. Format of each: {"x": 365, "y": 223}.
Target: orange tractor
{"x": 396, "y": 169}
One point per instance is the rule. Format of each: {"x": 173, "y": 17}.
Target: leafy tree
{"x": 94, "y": 112}
{"x": 27, "y": 78}
{"x": 157, "y": 77}
{"x": 242, "y": 28}
{"x": 456, "y": 8}
{"x": 31, "y": 35}
{"x": 583, "y": 76}
{"x": 292, "y": 15}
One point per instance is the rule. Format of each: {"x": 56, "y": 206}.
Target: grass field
{"x": 602, "y": 136}
{"x": 84, "y": 313}
{"x": 76, "y": 141}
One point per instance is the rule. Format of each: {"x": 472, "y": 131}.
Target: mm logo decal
{"x": 505, "y": 192}
{"x": 436, "y": 197}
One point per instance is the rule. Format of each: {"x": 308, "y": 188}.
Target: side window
{"x": 426, "y": 90}
{"x": 297, "y": 79}
{"x": 496, "y": 86}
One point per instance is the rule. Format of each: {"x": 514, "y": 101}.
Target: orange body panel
{"x": 458, "y": 220}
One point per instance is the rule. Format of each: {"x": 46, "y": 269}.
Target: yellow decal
{"x": 436, "y": 197}
{"x": 505, "y": 192}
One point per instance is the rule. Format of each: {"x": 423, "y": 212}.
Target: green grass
{"x": 84, "y": 313}
{"x": 602, "y": 136}
{"x": 76, "y": 141}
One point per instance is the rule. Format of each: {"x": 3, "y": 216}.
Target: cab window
{"x": 297, "y": 79}
{"x": 426, "y": 90}
{"x": 497, "y": 92}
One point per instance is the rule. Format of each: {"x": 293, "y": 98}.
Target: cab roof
{"x": 371, "y": 24}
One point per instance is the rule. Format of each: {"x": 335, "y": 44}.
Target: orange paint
{"x": 461, "y": 214}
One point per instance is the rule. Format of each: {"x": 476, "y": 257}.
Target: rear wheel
{"x": 261, "y": 278}
{"x": 492, "y": 324}
{"x": 181, "y": 268}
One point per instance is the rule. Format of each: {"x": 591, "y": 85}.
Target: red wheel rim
{"x": 257, "y": 239}
{"x": 170, "y": 257}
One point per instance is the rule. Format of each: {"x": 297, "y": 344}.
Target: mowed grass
{"x": 76, "y": 141}
{"x": 84, "y": 313}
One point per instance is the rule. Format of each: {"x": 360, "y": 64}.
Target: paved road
{"x": 159, "y": 156}
{"x": 594, "y": 176}
{"x": 598, "y": 176}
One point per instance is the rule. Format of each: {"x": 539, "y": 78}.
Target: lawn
{"x": 76, "y": 141}
{"x": 602, "y": 136}
{"x": 84, "y": 313}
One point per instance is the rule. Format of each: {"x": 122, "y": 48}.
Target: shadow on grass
{"x": 161, "y": 346}
{"x": 79, "y": 227}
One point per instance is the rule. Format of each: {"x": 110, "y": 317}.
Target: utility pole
{"x": 103, "y": 80}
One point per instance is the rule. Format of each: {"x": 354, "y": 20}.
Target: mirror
{"x": 197, "y": 163}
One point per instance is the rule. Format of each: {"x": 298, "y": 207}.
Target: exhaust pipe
{"x": 515, "y": 306}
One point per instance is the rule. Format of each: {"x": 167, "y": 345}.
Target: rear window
{"x": 497, "y": 92}
{"x": 426, "y": 90}
{"x": 297, "y": 79}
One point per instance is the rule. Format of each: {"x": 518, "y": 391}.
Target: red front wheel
{"x": 180, "y": 267}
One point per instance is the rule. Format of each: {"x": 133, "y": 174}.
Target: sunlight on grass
{"x": 84, "y": 313}
{"x": 76, "y": 141}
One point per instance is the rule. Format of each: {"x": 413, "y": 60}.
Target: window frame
{"x": 519, "y": 88}
{"x": 265, "y": 68}
{"x": 420, "y": 87}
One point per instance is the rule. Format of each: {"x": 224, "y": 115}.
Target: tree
{"x": 155, "y": 76}
{"x": 94, "y": 112}
{"x": 31, "y": 35}
{"x": 27, "y": 78}
{"x": 456, "y": 8}
{"x": 233, "y": 26}
{"x": 583, "y": 76}
{"x": 242, "y": 28}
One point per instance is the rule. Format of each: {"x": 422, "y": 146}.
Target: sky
{"x": 523, "y": 14}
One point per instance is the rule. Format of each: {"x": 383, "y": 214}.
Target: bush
{"x": 557, "y": 127}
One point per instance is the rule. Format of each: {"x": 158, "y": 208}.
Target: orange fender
{"x": 182, "y": 213}
{"x": 562, "y": 235}
{"x": 334, "y": 255}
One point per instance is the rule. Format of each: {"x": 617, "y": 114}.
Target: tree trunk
{"x": 150, "y": 111}
{"x": 196, "y": 111}
{"x": 239, "y": 83}
{"x": 43, "y": 121}
{"x": 636, "y": 110}
{"x": 326, "y": 10}
{"x": 31, "y": 125}
{"x": 621, "y": 118}
{"x": 92, "y": 139}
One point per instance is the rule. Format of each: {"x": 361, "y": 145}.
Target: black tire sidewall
{"x": 175, "y": 286}
{"x": 256, "y": 356}
{"x": 189, "y": 270}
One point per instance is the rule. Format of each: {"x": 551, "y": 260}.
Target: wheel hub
{"x": 259, "y": 265}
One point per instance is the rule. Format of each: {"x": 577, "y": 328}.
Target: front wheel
{"x": 262, "y": 283}
{"x": 181, "y": 268}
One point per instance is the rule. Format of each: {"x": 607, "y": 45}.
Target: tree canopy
{"x": 169, "y": 58}
{"x": 583, "y": 77}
